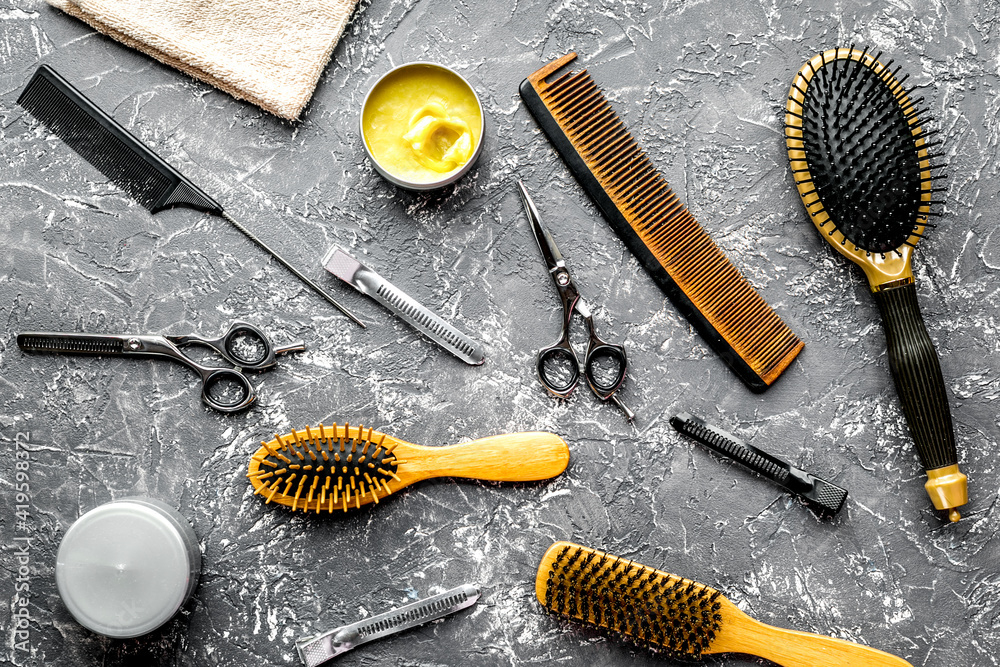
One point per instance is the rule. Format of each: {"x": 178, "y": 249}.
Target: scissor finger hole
{"x": 559, "y": 370}
{"x": 606, "y": 368}
{"x": 247, "y": 347}
{"x": 227, "y": 390}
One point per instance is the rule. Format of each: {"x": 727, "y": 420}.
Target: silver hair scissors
{"x": 225, "y": 389}
{"x": 604, "y": 364}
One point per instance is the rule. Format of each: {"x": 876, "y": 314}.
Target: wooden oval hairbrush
{"x": 678, "y": 617}
{"x": 863, "y": 168}
{"x": 324, "y": 468}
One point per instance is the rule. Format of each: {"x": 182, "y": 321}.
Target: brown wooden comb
{"x": 660, "y": 231}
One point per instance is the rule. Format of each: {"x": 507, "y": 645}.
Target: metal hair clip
{"x": 317, "y": 649}
{"x": 819, "y": 494}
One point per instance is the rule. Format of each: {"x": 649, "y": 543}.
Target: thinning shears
{"x": 225, "y": 389}
{"x": 604, "y": 364}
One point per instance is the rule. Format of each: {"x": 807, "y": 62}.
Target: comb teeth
{"x": 413, "y": 615}
{"x": 660, "y": 611}
{"x": 70, "y": 344}
{"x": 404, "y": 306}
{"x": 94, "y": 142}
{"x": 657, "y": 227}
{"x": 101, "y": 141}
{"x": 325, "y": 468}
{"x": 732, "y": 448}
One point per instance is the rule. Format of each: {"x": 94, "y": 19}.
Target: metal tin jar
{"x": 447, "y": 178}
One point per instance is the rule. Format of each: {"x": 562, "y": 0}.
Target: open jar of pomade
{"x": 422, "y": 126}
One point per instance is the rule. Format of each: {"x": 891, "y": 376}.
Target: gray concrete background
{"x": 702, "y": 85}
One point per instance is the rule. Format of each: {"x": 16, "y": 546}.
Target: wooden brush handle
{"x": 515, "y": 457}
{"x": 791, "y": 648}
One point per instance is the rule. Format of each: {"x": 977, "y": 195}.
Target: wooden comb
{"x": 660, "y": 231}
{"x": 327, "y": 468}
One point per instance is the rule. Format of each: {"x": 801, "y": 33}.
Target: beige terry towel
{"x": 269, "y": 52}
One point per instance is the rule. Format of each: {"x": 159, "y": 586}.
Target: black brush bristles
{"x": 325, "y": 468}
{"x": 668, "y": 614}
{"x": 867, "y": 153}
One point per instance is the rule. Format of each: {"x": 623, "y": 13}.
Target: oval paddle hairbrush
{"x": 344, "y": 467}
{"x": 862, "y": 166}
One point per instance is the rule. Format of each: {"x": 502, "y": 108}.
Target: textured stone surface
{"x": 702, "y": 85}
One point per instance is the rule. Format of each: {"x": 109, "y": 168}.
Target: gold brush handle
{"x": 791, "y": 648}
{"x": 515, "y": 457}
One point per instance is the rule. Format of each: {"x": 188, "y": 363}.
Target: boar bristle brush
{"x": 864, "y": 170}
{"x": 678, "y": 617}
{"x": 328, "y": 468}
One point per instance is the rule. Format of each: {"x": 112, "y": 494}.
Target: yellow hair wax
{"x": 421, "y": 123}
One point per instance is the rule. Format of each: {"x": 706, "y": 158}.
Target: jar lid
{"x": 125, "y": 568}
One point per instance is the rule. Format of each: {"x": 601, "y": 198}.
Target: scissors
{"x": 224, "y": 389}
{"x": 558, "y": 365}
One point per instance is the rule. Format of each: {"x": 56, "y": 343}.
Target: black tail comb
{"x": 101, "y": 141}
{"x": 130, "y": 164}
{"x": 819, "y": 494}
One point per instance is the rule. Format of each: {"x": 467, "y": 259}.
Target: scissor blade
{"x": 550, "y": 252}
{"x": 71, "y": 343}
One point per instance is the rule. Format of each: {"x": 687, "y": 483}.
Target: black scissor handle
{"x": 243, "y": 345}
{"x": 555, "y": 358}
{"x": 227, "y": 390}
{"x": 248, "y": 347}
{"x": 602, "y": 383}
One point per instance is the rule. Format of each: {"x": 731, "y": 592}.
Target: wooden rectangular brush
{"x": 660, "y": 231}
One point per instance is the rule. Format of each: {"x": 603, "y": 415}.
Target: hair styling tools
{"x": 678, "y": 617}
{"x": 557, "y": 365}
{"x": 324, "y": 468}
{"x": 224, "y": 389}
{"x": 368, "y": 282}
{"x": 656, "y": 227}
{"x": 130, "y": 164}
{"x": 318, "y": 649}
{"x": 863, "y": 169}
{"x": 819, "y": 494}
